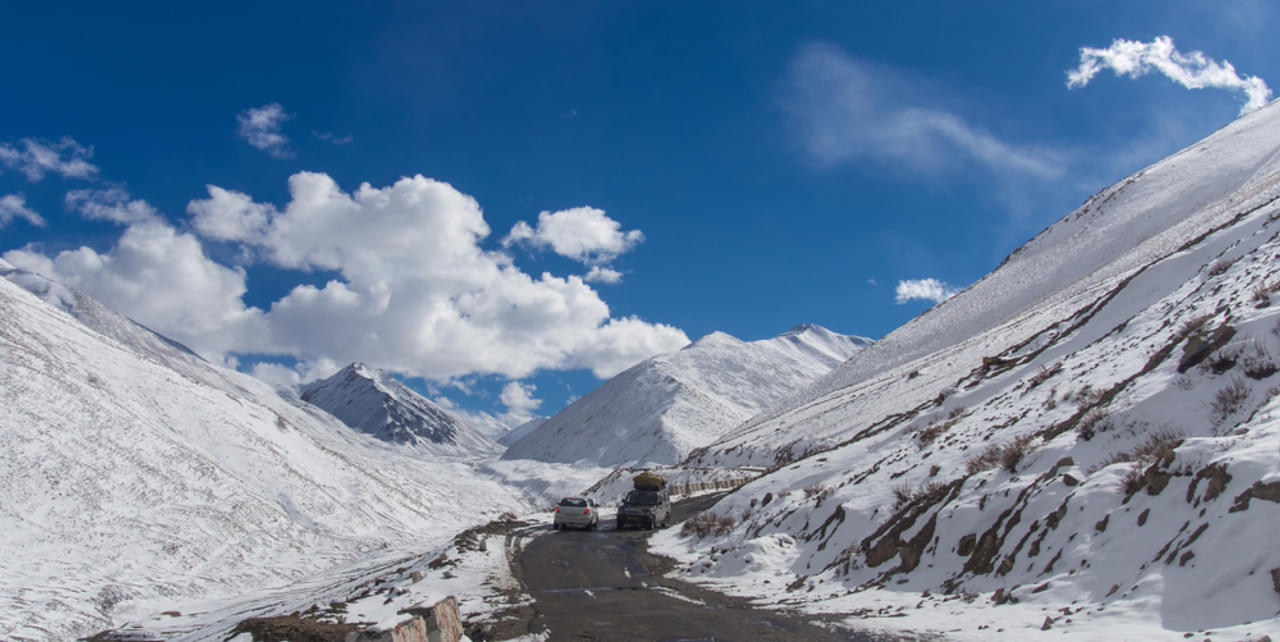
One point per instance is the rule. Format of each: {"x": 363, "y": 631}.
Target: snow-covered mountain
{"x": 521, "y": 431}
{"x": 662, "y": 408}
{"x": 136, "y": 477}
{"x": 1085, "y": 441}
{"x": 374, "y": 403}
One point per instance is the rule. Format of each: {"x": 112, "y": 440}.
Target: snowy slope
{"x": 664, "y": 407}
{"x": 521, "y": 431}
{"x": 374, "y": 403}
{"x": 1083, "y": 442}
{"x": 137, "y": 478}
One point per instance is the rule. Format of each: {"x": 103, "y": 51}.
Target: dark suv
{"x": 646, "y": 508}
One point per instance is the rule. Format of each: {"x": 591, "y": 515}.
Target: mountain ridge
{"x": 660, "y": 409}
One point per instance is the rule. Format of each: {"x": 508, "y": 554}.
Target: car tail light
{"x": 557, "y": 509}
{"x": 586, "y": 512}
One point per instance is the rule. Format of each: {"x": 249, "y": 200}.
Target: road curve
{"x": 604, "y": 585}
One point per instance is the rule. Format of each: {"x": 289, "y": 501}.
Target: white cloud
{"x": 111, "y": 204}
{"x": 600, "y": 274}
{"x": 278, "y": 374}
{"x": 584, "y": 234}
{"x": 520, "y": 403}
{"x": 261, "y": 126}
{"x": 36, "y": 158}
{"x": 162, "y": 279}
{"x": 15, "y": 206}
{"x": 416, "y": 292}
{"x": 844, "y": 109}
{"x": 228, "y": 215}
{"x": 924, "y": 290}
{"x": 1192, "y": 70}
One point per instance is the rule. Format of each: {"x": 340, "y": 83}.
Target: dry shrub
{"x": 1094, "y": 421}
{"x": 1229, "y": 400}
{"x": 1133, "y": 481}
{"x": 930, "y": 434}
{"x": 1257, "y": 362}
{"x": 1222, "y": 360}
{"x": 1007, "y": 455}
{"x": 707, "y": 523}
{"x": 1045, "y": 372}
{"x": 902, "y": 494}
{"x": 1158, "y": 446}
{"x": 1192, "y": 325}
{"x": 984, "y": 460}
{"x": 1013, "y": 452}
{"x": 1219, "y": 267}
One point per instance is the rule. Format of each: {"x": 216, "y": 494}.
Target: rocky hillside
{"x": 1085, "y": 441}
{"x": 664, "y": 407}
{"x": 373, "y": 402}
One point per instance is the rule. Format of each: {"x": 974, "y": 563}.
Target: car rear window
{"x": 573, "y": 501}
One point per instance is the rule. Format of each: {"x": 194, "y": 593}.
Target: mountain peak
{"x": 373, "y": 402}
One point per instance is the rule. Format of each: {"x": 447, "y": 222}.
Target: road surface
{"x": 604, "y": 585}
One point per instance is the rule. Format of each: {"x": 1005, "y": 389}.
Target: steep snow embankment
{"x": 128, "y": 486}
{"x": 374, "y": 403}
{"x": 661, "y": 409}
{"x": 1103, "y": 463}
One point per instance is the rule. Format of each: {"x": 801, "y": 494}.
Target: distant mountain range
{"x": 664, "y": 407}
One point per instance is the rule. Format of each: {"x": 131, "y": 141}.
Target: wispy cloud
{"x": 846, "y": 109}
{"x": 261, "y": 127}
{"x": 1192, "y": 70}
{"x": 35, "y": 158}
{"x": 112, "y": 204}
{"x": 332, "y": 137}
{"x": 15, "y": 206}
{"x": 923, "y": 290}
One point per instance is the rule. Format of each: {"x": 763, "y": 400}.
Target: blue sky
{"x": 596, "y": 182}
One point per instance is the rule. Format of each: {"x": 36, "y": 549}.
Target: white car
{"x": 576, "y": 511}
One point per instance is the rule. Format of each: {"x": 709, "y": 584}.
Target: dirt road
{"x": 604, "y": 585}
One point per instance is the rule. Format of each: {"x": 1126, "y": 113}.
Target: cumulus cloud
{"x": 923, "y": 290}
{"x": 1192, "y": 70}
{"x": 845, "y": 109}
{"x": 584, "y": 234}
{"x": 161, "y": 278}
{"x": 261, "y": 127}
{"x": 112, "y": 204}
{"x": 417, "y": 293}
{"x": 15, "y": 206}
{"x": 520, "y": 402}
{"x": 36, "y": 158}
{"x": 228, "y": 215}
{"x": 601, "y": 274}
